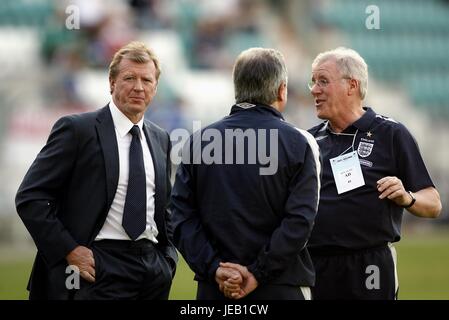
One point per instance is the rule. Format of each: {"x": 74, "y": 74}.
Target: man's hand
{"x": 392, "y": 188}
{"x": 246, "y": 287}
{"x": 230, "y": 279}
{"x": 83, "y": 258}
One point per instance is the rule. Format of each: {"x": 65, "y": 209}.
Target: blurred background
{"x": 54, "y": 57}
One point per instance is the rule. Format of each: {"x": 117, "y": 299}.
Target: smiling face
{"x": 331, "y": 99}
{"x": 134, "y": 88}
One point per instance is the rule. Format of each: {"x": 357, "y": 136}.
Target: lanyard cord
{"x": 352, "y": 145}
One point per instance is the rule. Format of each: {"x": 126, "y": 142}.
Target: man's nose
{"x": 315, "y": 89}
{"x": 138, "y": 85}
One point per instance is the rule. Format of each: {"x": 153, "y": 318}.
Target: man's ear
{"x": 282, "y": 92}
{"x": 111, "y": 85}
{"x": 354, "y": 86}
{"x": 281, "y": 99}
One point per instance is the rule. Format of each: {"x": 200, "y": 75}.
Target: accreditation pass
{"x": 347, "y": 172}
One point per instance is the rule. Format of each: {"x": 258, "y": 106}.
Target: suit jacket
{"x": 67, "y": 192}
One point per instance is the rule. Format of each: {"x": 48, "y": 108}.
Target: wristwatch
{"x": 412, "y": 202}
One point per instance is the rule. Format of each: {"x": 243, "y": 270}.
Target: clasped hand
{"x": 234, "y": 280}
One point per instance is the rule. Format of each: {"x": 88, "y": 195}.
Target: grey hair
{"x": 349, "y": 63}
{"x": 258, "y": 73}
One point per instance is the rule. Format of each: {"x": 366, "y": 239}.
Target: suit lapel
{"x": 106, "y": 133}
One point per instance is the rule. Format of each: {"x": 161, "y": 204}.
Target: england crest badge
{"x": 365, "y": 149}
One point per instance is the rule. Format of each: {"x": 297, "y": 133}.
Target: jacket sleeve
{"x": 169, "y": 250}
{"x": 37, "y": 200}
{"x": 295, "y": 228}
{"x": 189, "y": 236}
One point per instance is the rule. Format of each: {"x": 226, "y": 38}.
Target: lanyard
{"x": 352, "y": 145}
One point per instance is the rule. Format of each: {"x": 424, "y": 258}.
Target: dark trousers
{"x": 367, "y": 274}
{"x": 127, "y": 270}
{"x": 210, "y": 291}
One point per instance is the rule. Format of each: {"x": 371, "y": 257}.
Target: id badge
{"x": 347, "y": 172}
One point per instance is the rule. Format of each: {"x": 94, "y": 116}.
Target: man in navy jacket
{"x": 244, "y": 203}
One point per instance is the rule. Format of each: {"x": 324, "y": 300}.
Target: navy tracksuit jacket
{"x": 232, "y": 213}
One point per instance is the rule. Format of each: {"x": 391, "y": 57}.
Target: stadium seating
{"x": 25, "y": 13}
{"x": 411, "y": 51}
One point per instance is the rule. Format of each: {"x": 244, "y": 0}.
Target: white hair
{"x": 349, "y": 63}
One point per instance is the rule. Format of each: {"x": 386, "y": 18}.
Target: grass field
{"x": 423, "y": 268}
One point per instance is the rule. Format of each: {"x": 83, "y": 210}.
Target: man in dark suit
{"x": 96, "y": 197}
{"x": 253, "y": 214}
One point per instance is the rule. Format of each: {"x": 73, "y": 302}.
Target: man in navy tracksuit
{"x": 372, "y": 170}
{"x": 244, "y": 210}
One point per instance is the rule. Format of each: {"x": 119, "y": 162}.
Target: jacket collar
{"x": 259, "y": 108}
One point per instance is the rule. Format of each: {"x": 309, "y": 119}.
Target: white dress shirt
{"x": 112, "y": 228}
